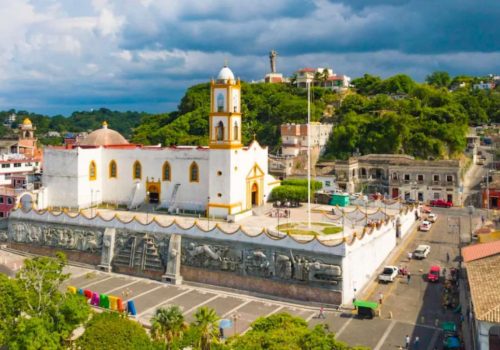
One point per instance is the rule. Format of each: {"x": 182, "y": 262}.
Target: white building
{"x": 322, "y": 77}
{"x": 224, "y": 178}
{"x": 294, "y": 137}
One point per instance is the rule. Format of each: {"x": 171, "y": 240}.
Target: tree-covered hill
{"x": 393, "y": 115}
{"x": 265, "y": 107}
{"x": 123, "y": 122}
{"x": 397, "y": 115}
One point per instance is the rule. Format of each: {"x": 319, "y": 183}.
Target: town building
{"x": 482, "y": 263}
{"x": 490, "y": 191}
{"x": 489, "y": 85}
{"x": 224, "y": 179}
{"x": 322, "y": 77}
{"x": 397, "y": 176}
{"x": 294, "y": 138}
{"x": 20, "y": 165}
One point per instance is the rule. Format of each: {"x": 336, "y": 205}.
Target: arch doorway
{"x": 153, "y": 190}
{"x": 255, "y": 194}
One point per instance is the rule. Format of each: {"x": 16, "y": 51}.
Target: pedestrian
{"x": 221, "y": 333}
{"x": 409, "y": 256}
{"x": 447, "y": 257}
{"x": 416, "y": 343}
{"x": 407, "y": 341}
{"x": 482, "y": 219}
{"x": 321, "y": 313}
{"x": 408, "y": 277}
{"x": 380, "y": 298}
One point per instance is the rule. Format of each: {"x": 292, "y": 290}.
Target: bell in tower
{"x": 225, "y": 111}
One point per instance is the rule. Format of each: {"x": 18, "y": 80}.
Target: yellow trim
{"x": 165, "y": 165}
{"x": 92, "y": 171}
{"x": 224, "y": 114}
{"x": 229, "y": 207}
{"x": 110, "y": 172}
{"x": 274, "y": 182}
{"x": 226, "y": 146}
{"x": 134, "y": 172}
{"x": 191, "y": 167}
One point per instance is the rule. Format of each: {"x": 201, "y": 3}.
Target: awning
{"x": 363, "y": 303}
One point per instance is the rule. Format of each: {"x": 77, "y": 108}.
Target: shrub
{"x": 315, "y": 185}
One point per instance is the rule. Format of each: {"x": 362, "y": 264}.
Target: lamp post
{"x": 278, "y": 204}
{"x": 471, "y": 211}
{"x": 235, "y": 318}
{"x": 208, "y": 212}
{"x": 147, "y": 211}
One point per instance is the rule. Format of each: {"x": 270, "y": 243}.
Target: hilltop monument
{"x": 273, "y": 77}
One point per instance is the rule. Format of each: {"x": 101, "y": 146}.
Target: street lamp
{"x": 471, "y": 211}
{"x": 92, "y": 191}
{"x": 147, "y": 211}
{"x": 235, "y": 318}
{"x": 208, "y": 213}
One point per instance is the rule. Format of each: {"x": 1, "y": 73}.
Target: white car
{"x": 432, "y": 217}
{"x": 422, "y": 251}
{"x": 425, "y": 226}
{"x": 388, "y": 274}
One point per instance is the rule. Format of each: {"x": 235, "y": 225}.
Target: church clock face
{"x": 235, "y": 100}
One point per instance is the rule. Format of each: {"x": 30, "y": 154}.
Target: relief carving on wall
{"x": 61, "y": 237}
{"x": 210, "y": 256}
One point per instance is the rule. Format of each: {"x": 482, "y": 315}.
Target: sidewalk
{"x": 392, "y": 259}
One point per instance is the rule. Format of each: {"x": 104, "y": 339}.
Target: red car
{"x": 441, "y": 203}
{"x": 434, "y": 273}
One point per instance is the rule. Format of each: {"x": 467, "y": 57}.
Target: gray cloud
{"x": 56, "y": 56}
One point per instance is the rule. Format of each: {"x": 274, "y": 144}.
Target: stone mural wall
{"x": 255, "y": 267}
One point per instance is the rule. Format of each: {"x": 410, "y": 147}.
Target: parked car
{"x": 425, "y": 226}
{"x": 388, "y": 274}
{"x": 426, "y": 210}
{"x": 432, "y": 217}
{"x": 480, "y": 161}
{"x": 422, "y": 251}
{"x": 441, "y": 203}
{"x": 434, "y": 273}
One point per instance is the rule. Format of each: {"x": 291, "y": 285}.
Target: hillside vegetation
{"x": 395, "y": 115}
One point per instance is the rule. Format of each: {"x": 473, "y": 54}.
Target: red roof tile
{"x": 307, "y": 69}
{"x": 479, "y": 251}
{"x": 336, "y": 77}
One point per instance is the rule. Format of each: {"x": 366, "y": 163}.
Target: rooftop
{"x": 480, "y": 251}
{"x": 484, "y": 281}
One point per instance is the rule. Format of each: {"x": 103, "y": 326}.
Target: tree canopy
{"x": 35, "y": 313}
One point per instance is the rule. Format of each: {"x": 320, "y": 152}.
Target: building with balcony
{"x": 398, "y": 176}
{"x": 321, "y": 77}
{"x": 294, "y": 138}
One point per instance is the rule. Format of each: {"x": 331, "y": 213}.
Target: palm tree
{"x": 168, "y": 325}
{"x": 325, "y": 76}
{"x": 317, "y": 78}
{"x": 207, "y": 322}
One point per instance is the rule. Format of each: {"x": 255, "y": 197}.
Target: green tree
{"x": 113, "y": 331}
{"x": 36, "y": 313}
{"x": 285, "y": 332}
{"x": 206, "y": 320}
{"x": 168, "y": 325}
{"x": 439, "y": 79}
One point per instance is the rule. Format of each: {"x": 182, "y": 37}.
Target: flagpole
{"x": 309, "y": 155}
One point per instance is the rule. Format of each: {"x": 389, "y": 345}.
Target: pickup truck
{"x": 388, "y": 274}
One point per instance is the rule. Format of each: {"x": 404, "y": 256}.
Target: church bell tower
{"x": 225, "y": 111}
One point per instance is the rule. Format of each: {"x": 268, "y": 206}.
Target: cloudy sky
{"x": 57, "y": 56}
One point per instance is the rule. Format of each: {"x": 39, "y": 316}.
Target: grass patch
{"x": 317, "y": 228}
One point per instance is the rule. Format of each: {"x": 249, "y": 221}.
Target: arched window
{"x": 137, "y": 171}
{"x": 166, "y": 172}
{"x": 236, "y": 131}
{"x": 194, "y": 173}
{"x": 220, "y": 131}
{"x": 113, "y": 171}
{"x": 92, "y": 171}
{"x": 220, "y": 102}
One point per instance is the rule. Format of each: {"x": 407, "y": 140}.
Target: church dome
{"x": 225, "y": 74}
{"x": 103, "y": 137}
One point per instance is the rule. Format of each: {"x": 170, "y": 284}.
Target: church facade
{"x": 224, "y": 179}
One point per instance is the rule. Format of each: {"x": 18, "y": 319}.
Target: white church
{"x": 226, "y": 179}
